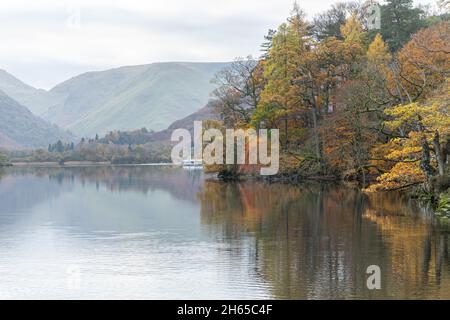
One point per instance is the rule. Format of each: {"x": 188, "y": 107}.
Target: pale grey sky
{"x": 45, "y": 42}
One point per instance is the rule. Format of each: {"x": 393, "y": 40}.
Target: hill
{"x": 36, "y": 100}
{"x": 128, "y": 98}
{"x": 143, "y": 136}
{"x": 19, "y": 128}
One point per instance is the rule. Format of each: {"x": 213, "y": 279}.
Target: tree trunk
{"x": 446, "y": 151}
{"x": 316, "y": 137}
{"x": 439, "y": 154}
{"x": 425, "y": 162}
{"x": 286, "y": 134}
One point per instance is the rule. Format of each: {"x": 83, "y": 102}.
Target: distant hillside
{"x": 36, "y": 100}
{"x": 20, "y": 128}
{"x": 121, "y": 147}
{"x": 143, "y": 136}
{"x": 205, "y": 113}
{"x": 127, "y": 98}
{"x": 8, "y": 143}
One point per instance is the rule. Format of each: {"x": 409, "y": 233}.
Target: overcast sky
{"x": 47, "y": 41}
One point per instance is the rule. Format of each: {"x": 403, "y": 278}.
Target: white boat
{"x": 193, "y": 164}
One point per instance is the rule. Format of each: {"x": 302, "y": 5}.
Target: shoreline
{"x": 440, "y": 209}
{"x": 71, "y": 164}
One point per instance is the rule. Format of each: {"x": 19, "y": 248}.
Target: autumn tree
{"x": 355, "y": 125}
{"x": 417, "y": 122}
{"x": 352, "y": 107}
{"x": 328, "y": 24}
{"x": 420, "y": 150}
{"x": 238, "y": 92}
{"x": 328, "y": 67}
{"x": 378, "y": 53}
{"x": 280, "y": 98}
{"x": 303, "y": 75}
{"x": 352, "y": 30}
{"x": 421, "y": 65}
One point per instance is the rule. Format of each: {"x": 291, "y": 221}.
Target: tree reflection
{"x": 316, "y": 240}
{"x": 180, "y": 183}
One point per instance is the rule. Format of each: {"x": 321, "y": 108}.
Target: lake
{"x": 141, "y": 232}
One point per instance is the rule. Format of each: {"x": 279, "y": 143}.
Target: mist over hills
{"x": 36, "y": 100}
{"x": 164, "y": 136}
{"x": 19, "y": 128}
{"x": 127, "y": 98}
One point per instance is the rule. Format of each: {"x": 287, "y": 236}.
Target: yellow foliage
{"x": 401, "y": 175}
{"x": 352, "y": 30}
{"x": 417, "y": 124}
{"x": 378, "y": 52}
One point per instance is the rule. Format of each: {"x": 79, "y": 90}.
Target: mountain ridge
{"x": 36, "y": 100}
{"x": 20, "y": 128}
{"x": 124, "y": 98}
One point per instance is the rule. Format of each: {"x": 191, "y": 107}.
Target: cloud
{"x": 53, "y": 38}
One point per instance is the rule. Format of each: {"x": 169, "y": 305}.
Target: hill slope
{"x": 36, "y": 100}
{"x": 20, "y": 128}
{"x": 127, "y": 98}
{"x": 163, "y": 137}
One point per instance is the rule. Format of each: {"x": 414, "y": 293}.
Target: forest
{"x": 364, "y": 105}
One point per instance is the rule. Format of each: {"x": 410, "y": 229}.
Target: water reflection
{"x": 316, "y": 241}
{"x": 162, "y": 232}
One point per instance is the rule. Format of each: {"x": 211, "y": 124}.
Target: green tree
{"x": 399, "y": 20}
{"x": 59, "y": 147}
{"x": 267, "y": 44}
{"x": 280, "y": 98}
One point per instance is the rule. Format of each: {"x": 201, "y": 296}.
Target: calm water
{"x": 161, "y": 232}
